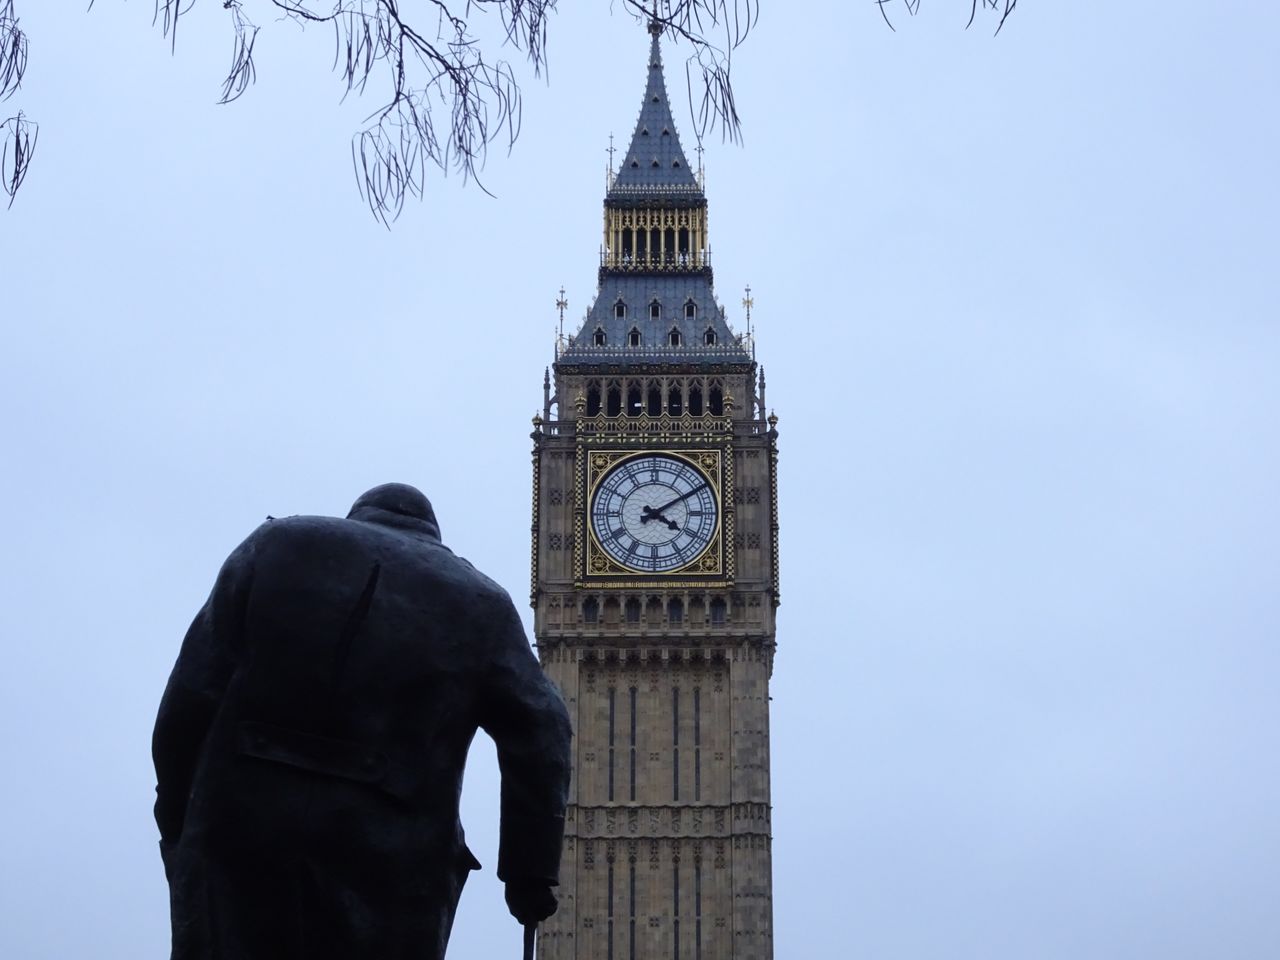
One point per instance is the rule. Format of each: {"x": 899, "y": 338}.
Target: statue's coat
{"x": 310, "y": 744}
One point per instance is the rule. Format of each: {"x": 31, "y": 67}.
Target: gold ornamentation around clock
{"x": 655, "y": 513}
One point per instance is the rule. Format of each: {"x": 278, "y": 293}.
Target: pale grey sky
{"x": 1017, "y": 300}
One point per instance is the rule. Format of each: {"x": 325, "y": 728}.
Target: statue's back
{"x": 352, "y": 663}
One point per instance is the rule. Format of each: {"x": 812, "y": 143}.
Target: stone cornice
{"x": 697, "y": 650}
{"x": 667, "y": 821}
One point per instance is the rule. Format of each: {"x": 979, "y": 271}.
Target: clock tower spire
{"x": 655, "y": 583}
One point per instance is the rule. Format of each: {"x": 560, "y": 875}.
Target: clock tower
{"x": 655, "y": 583}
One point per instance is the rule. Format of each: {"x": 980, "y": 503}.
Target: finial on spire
{"x": 655, "y": 26}
{"x": 561, "y": 303}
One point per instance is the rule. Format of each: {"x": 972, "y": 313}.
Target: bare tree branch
{"x": 913, "y": 7}
{"x": 13, "y": 51}
{"x": 20, "y": 136}
{"x": 242, "y": 73}
{"x": 445, "y": 101}
{"x": 1002, "y": 8}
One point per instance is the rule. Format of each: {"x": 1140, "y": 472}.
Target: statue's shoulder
{"x": 481, "y": 584}
{"x": 301, "y": 527}
{"x": 285, "y": 539}
{"x": 471, "y": 589}
{"x": 421, "y": 557}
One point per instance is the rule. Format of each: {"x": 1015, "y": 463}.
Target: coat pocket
{"x": 306, "y": 751}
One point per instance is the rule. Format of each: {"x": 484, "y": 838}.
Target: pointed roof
{"x": 655, "y": 162}
{"x": 653, "y": 306}
{"x": 654, "y": 312}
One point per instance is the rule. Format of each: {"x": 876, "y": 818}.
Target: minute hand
{"x": 686, "y": 496}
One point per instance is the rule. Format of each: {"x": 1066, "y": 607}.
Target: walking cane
{"x": 530, "y": 932}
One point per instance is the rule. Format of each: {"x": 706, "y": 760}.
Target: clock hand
{"x": 684, "y": 497}
{"x": 652, "y": 514}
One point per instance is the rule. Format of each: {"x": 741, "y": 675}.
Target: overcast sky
{"x": 1017, "y": 300}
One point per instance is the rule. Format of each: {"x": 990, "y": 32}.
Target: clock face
{"x": 654, "y": 513}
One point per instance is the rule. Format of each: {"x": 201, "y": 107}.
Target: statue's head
{"x": 396, "y": 504}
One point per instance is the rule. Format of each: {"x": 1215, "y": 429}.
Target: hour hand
{"x": 649, "y": 513}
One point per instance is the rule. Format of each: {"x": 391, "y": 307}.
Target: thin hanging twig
{"x": 242, "y": 73}
{"x": 1001, "y": 7}
{"x": 13, "y": 51}
{"x": 20, "y": 136}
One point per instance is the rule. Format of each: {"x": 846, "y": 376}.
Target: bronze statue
{"x": 309, "y": 747}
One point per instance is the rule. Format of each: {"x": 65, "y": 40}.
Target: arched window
{"x": 675, "y": 610}
{"x": 654, "y": 405}
{"x": 633, "y": 338}
{"x": 598, "y": 337}
{"x": 653, "y": 610}
{"x": 593, "y": 399}
{"x": 669, "y": 245}
{"x": 613, "y": 403}
{"x": 709, "y": 338}
{"x": 695, "y": 400}
{"x": 590, "y": 610}
{"x": 717, "y": 612}
{"x": 634, "y": 406}
{"x": 673, "y": 338}
{"x": 675, "y": 404}
{"x": 690, "y": 309}
{"x": 655, "y": 310}
{"x": 715, "y": 401}
{"x": 620, "y": 310}
{"x": 632, "y": 609}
